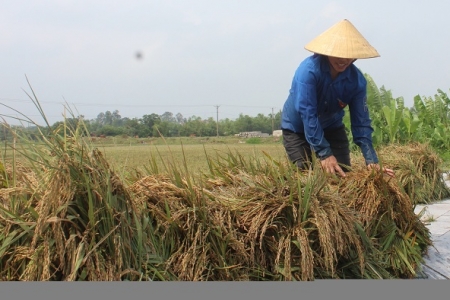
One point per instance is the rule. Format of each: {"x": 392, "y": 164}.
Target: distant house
{"x": 277, "y": 133}
{"x": 248, "y": 134}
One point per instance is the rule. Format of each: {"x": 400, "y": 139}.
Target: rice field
{"x": 73, "y": 209}
{"x": 195, "y": 156}
{"x": 131, "y": 153}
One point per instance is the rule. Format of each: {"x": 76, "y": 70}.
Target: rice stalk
{"x": 388, "y": 217}
{"x": 83, "y": 219}
{"x": 418, "y": 169}
{"x": 71, "y": 217}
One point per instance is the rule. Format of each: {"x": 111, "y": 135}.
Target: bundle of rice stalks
{"x": 194, "y": 234}
{"x": 251, "y": 228}
{"x": 79, "y": 222}
{"x": 3, "y": 176}
{"x": 388, "y": 218}
{"x": 80, "y": 225}
{"x": 292, "y": 225}
{"x": 15, "y": 198}
{"x": 418, "y": 169}
{"x": 16, "y": 180}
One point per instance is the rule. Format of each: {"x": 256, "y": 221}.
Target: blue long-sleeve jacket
{"x": 315, "y": 103}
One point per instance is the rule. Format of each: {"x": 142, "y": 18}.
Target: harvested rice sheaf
{"x": 76, "y": 220}
{"x": 197, "y": 236}
{"x": 251, "y": 227}
{"x": 17, "y": 181}
{"x": 418, "y": 170}
{"x": 80, "y": 225}
{"x": 282, "y": 225}
{"x": 388, "y": 217}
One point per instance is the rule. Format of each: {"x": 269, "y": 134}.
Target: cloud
{"x": 192, "y": 17}
{"x": 330, "y": 10}
{"x": 252, "y": 23}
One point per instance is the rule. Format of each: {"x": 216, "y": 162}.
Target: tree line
{"x": 170, "y": 125}
{"x": 427, "y": 121}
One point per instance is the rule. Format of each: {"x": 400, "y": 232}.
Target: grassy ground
{"x": 195, "y": 155}
{"x": 125, "y": 153}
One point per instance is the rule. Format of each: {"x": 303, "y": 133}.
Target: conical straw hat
{"x": 342, "y": 40}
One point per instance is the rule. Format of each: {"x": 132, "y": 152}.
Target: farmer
{"x": 323, "y": 85}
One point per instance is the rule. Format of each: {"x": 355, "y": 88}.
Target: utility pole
{"x": 217, "y": 120}
{"x": 272, "y": 120}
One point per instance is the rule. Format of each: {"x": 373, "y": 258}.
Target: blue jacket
{"x": 315, "y": 103}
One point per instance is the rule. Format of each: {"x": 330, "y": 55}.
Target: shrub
{"x": 253, "y": 140}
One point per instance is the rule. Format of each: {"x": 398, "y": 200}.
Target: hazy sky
{"x": 198, "y": 55}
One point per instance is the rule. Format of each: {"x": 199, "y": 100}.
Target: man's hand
{"x": 389, "y": 172}
{"x": 330, "y": 165}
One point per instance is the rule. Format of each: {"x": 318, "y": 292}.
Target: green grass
{"x": 125, "y": 140}
{"x": 446, "y": 160}
{"x": 195, "y": 155}
{"x": 128, "y": 154}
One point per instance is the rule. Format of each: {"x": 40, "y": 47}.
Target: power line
{"x": 130, "y": 105}
{"x": 187, "y": 110}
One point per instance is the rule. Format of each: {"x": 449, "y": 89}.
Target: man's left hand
{"x": 389, "y": 172}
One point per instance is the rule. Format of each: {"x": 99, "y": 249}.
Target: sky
{"x": 204, "y": 58}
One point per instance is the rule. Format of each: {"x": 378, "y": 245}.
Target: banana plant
{"x": 374, "y": 100}
{"x": 434, "y": 115}
{"x": 441, "y": 137}
{"x": 411, "y": 125}
{"x": 444, "y": 101}
{"x": 393, "y": 116}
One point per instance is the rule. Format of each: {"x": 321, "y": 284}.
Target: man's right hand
{"x": 331, "y": 166}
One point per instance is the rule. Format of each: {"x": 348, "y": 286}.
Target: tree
{"x": 226, "y": 127}
{"x": 168, "y": 117}
{"x": 149, "y": 121}
{"x": 108, "y": 118}
{"x": 167, "y": 129}
{"x": 133, "y": 127}
{"x": 194, "y": 125}
{"x": 210, "y": 127}
{"x": 243, "y": 123}
{"x": 101, "y": 118}
{"x": 262, "y": 123}
{"x": 109, "y": 130}
{"x": 180, "y": 119}
{"x": 116, "y": 118}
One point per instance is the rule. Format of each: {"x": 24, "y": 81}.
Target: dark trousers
{"x": 299, "y": 150}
